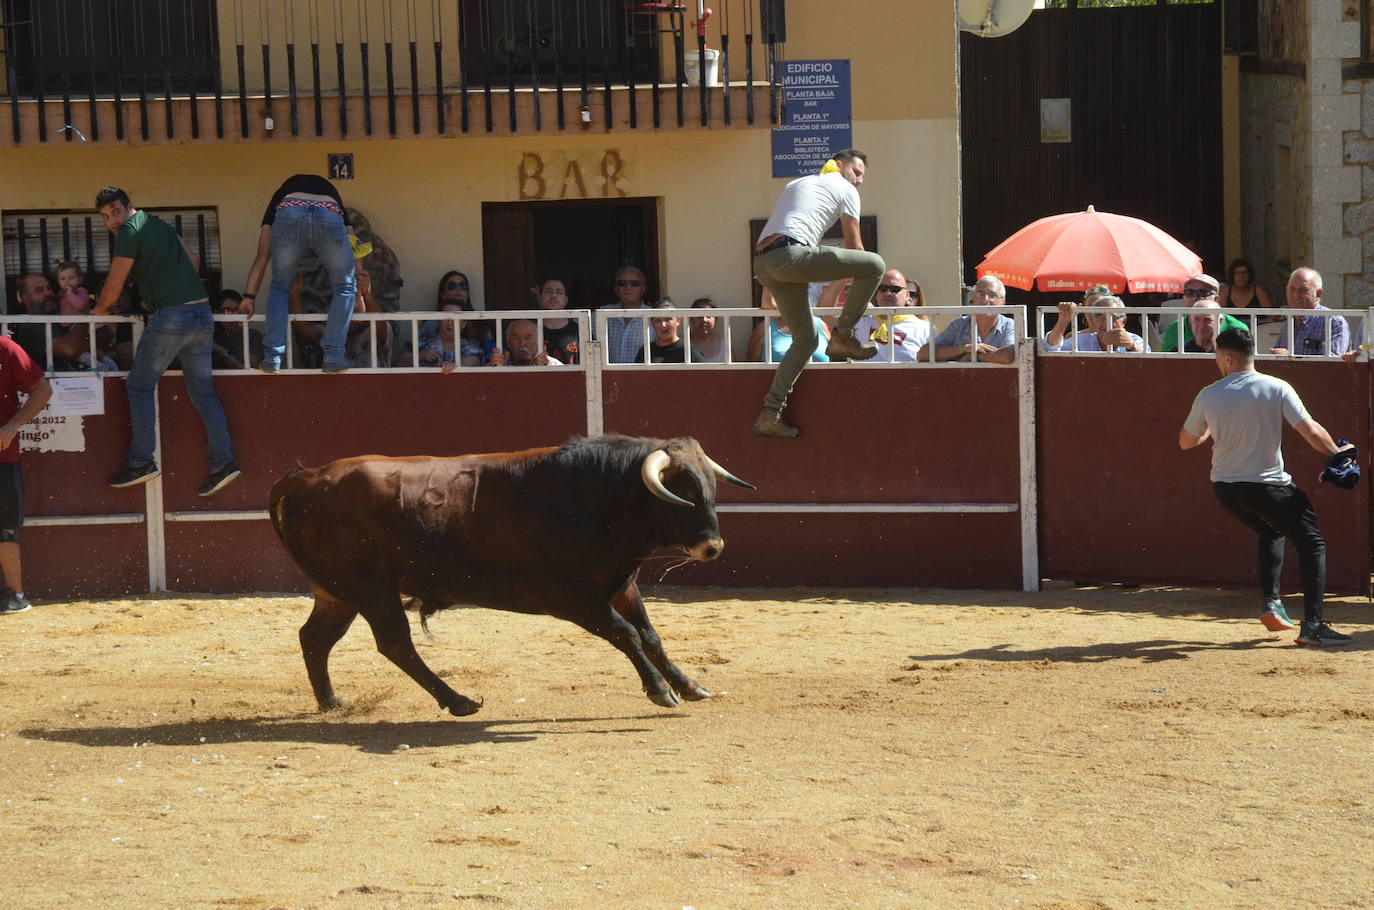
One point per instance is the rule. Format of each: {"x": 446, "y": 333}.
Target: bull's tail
{"x": 427, "y": 608}
{"x": 276, "y": 500}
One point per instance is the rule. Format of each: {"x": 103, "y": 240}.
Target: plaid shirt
{"x": 1311, "y": 331}
{"x": 624, "y": 342}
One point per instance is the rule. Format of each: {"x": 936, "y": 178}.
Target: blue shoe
{"x": 1275, "y": 617}
{"x": 342, "y": 365}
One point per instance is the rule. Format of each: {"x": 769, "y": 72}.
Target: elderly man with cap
{"x": 1310, "y": 332}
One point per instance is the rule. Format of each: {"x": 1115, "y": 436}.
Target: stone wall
{"x": 1307, "y": 151}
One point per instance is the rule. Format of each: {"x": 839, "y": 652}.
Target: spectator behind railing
{"x": 227, "y": 350}
{"x": 454, "y": 290}
{"x": 779, "y": 337}
{"x": 36, "y": 298}
{"x": 472, "y": 346}
{"x": 625, "y": 336}
{"x": 1242, "y": 291}
{"x": 1103, "y": 334}
{"x": 1200, "y": 330}
{"x": 72, "y": 298}
{"x": 560, "y": 334}
{"x": 900, "y": 335}
{"x": 995, "y": 338}
{"x": 707, "y": 345}
{"x": 1304, "y": 292}
{"x": 666, "y": 346}
{"x": 522, "y": 347}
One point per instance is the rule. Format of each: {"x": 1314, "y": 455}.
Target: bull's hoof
{"x": 694, "y": 692}
{"x": 463, "y": 707}
{"x": 329, "y": 704}
{"x": 665, "y": 699}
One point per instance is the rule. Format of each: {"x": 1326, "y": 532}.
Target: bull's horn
{"x": 652, "y": 474}
{"x": 726, "y": 475}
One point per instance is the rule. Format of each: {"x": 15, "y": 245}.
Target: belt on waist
{"x": 309, "y": 203}
{"x": 782, "y": 241}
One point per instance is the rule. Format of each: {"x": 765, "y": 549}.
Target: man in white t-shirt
{"x": 902, "y": 334}
{"x": 789, "y": 255}
{"x": 1243, "y": 415}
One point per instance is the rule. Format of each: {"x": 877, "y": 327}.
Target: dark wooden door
{"x": 581, "y": 241}
{"x": 1145, "y": 90}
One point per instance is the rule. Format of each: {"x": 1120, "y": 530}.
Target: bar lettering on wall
{"x": 530, "y": 175}
{"x": 591, "y": 174}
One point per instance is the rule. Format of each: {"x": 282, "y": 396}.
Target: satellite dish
{"x": 993, "y": 18}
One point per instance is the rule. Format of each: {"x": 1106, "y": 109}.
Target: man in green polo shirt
{"x": 180, "y": 325}
{"x": 1200, "y": 330}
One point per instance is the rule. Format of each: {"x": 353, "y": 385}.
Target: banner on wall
{"x": 817, "y": 116}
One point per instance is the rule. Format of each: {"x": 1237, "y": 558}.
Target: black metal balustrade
{"x": 443, "y": 66}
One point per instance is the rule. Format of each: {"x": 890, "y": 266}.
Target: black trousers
{"x": 1277, "y": 513}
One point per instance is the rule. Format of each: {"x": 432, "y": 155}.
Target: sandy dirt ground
{"x": 1097, "y": 748}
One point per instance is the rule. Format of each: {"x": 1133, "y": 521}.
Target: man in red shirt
{"x": 18, "y": 373}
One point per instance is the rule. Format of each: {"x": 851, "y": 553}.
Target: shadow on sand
{"x": 382, "y": 737}
{"x": 1150, "y": 651}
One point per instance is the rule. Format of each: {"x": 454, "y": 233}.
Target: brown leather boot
{"x": 844, "y": 346}
{"x": 770, "y": 423}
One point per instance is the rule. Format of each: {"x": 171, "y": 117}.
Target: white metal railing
{"x": 729, "y": 315}
{"x": 1269, "y": 327}
{"x": 92, "y": 326}
{"x": 414, "y": 331}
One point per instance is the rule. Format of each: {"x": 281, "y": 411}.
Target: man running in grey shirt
{"x": 789, "y": 255}
{"x": 1243, "y": 415}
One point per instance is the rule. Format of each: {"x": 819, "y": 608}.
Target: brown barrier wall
{"x": 868, "y": 436}
{"x": 1119, "y": 501}
{"x": 89, "y": 560}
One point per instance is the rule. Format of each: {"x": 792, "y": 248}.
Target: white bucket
{"x": 690, "y": 66}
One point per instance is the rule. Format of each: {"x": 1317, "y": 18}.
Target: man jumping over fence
{"x": 180, "y": 326}
{"x": 1243, "y": 415}
{"x": 789, "y": 255}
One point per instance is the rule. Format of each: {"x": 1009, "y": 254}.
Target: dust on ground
{"x": 1095, "y": 748}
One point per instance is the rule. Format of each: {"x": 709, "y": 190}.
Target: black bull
{"x": 556, "y": 531}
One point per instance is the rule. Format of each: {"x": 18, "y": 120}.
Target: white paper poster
{"x": 76, "y": 396}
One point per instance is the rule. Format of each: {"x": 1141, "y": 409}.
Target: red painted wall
{"x": 1119, "y": 501}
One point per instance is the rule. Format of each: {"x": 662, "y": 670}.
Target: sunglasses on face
{"x": 891, "y": 288}
{"x": 1198, "y": 292}
{"x": 628, "y": 283}
{"x": 456, "y": 286}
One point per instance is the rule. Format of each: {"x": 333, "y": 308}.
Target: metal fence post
{"x": 1026, "y": 427}
{"x": 592, "y": 358}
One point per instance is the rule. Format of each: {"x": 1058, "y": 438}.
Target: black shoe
{"x": 1319, "y": 635}
{"x": 11, "y": 602}
{"x": 135, "y": 475}
{"x": 770, "y": 423}
{"x": 219, "y": 480}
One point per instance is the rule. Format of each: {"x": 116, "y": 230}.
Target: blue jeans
{"x": 296, "y": 232}
{"x": 172, "y": 332}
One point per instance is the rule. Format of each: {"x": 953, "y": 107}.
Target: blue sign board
{"x": 817, "y": 116}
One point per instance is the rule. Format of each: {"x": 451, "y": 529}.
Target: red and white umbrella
{"x": 1075, "y": 251}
